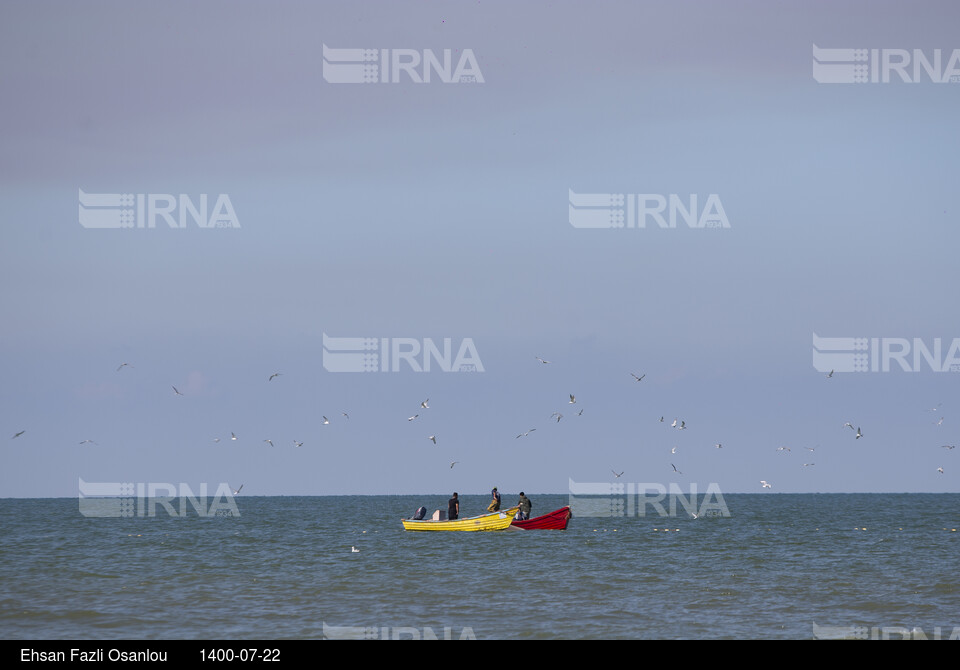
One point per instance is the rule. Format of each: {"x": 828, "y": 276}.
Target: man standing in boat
{"x": 525, "y": 506}
{"x": 453, "y": 507}
{"x": 494, "y": 505}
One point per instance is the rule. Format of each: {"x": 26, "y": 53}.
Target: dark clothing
{"x": 453, "y": 508}
{"x": 525, "y": 507}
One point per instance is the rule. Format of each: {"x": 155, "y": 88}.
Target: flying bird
{"x": 675, "y": 469}
{"x": 859, "y": 434}
{"x": 452, "y": 464}
{"x": 949, "y": 446}
{"x": 345, "y": 414}
{"x": 718, "y": 445}
{"x": 830, "y": 374}
{"x": 764, "y": 484}
{"x": 216, "y": 439}
{"x": 940, "y": 470}
{"x": 572, "y": 400}
{"x": 175, "y": 390}
{"x": 18, "y": 434}
{"x": 783, "y": 448}
{"x": 674, "y": 424}
{"x": 848, "y": 425}
{"x": 526, "y": 433}
{"x": 424, "y": 404}
{"x": 238, "y": 490}
{"x": 638, "y": 378}
{"x": 558, "y": 415}
{"x": 541, "y": 360}
{"x": 297, "y": 444}
{"x": 275, "y": 374}
{"x": 233, "y": 436}
{"x": 124, "y": 365}
{"x": 88, "y": 442}
{"x": 433, "y": 438}
{"x": 616, "y": 474}
{"x": 411, "y": 418}
{"x": 326, "y": 421}
{"x": 270, "y": 442}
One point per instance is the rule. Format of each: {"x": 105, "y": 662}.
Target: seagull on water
{"x": 354, "y": 550}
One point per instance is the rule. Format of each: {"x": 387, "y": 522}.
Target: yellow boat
{"x": 489, "y": 521}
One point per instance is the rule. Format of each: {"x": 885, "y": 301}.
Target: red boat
{"x": 556, "y": 520}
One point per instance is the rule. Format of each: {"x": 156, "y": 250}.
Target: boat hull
{"x": 555, "y": 520}
{"x": 490, "y": 521}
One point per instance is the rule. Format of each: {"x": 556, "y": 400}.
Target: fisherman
{"x": 525, "y": 505}
{"x": 494, "y": 505}
{"x": 453, "y": 507}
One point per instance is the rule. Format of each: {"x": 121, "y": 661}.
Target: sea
{"x": 765, "y": 566}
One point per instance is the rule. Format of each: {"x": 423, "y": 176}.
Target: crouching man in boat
{"x": 525, "y": 506}
{"x": 494, "y": 505}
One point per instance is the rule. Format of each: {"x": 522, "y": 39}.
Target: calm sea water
{"x": 778, "y": 567}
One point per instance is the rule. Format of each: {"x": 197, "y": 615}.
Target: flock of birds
{"x": 677, "y": 424}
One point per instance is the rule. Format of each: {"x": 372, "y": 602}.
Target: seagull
{"x": 661, "y": 419}
{"x": 638, "y": 378}
{"x": 216, "y": 439}
{"x": 433, "y": 438}
{"x": 233, "y": 436}
{"x": 764, "y": 484}
{"x": 616, "y": 474}
{"x": 526, "y": 433}
{"x": 848, "y": 425}
{"x": 124, "y": 365}
{"x": 453, "y": 463}
{"x": 275, "y": 374}
{"x": 541, "y": 360}
{"x": 18, "y": 434}
{"x": 675, "y": 469}
{"x": 297, "y": 444}
{"x": 682, "y": 426}
{"x": 673, "y": 450}
{"x": 830, "y": 375}
{"x": 175, "y": 390}
{"x": 783, "y": 448}
{"x": 940, "y": 470}
{"x": 424, "y": 404}
{"x": 345, "y": 414}
{"x": 940, "y": 422}
{"x": 934, "y": 409}
{"x": 354, "y": 550}
{"x": 949, "y": 446}
{"x": 88, "y": 441}
{"x": 859, "y": 434}
{"x": 238, "y": 490}
{"x": 411, "y": 418}
{"x": 811, "y": 448}
{"x": 674, "y": 424}
{"x": 558, "y": 415}
{"x": 806, "y": 464}
{"x": 718, "y": 445}
{"x": 572, "y": 400}
{"x": 270, "y": 442}
{"x": 580, "y": 413}
{"x": 326, "y": 421}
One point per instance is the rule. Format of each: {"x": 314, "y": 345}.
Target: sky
{"x": 426, "y": 214}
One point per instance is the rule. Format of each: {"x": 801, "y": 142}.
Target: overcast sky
{"x": 418, "y": 212}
